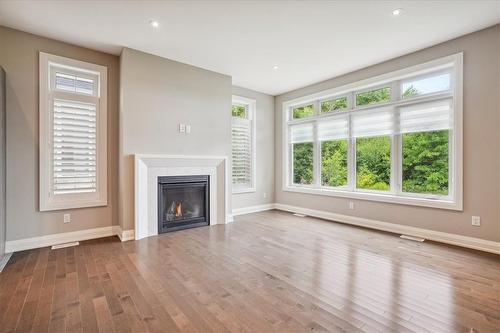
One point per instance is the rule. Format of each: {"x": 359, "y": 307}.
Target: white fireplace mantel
{"x": 148, "y": 167}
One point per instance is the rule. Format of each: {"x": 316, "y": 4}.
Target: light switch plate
{"x": 182, "y": 128}
{"x": 67, "y": 218}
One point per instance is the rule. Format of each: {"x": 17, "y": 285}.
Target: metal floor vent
{"x": 412, "y": 238}
{"x": 61, "y": 246}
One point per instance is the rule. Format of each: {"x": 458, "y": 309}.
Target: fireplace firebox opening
{"x": 183, "y": 202}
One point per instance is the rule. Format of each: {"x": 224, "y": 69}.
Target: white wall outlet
{"x": 476, "y": 221}
{"x": 188, "y": 129}
{"x": 182, "y": 128}
{"x": 351, "y": 205}
{"x": 67, "y": 218}
{"x": 264, "y": 195}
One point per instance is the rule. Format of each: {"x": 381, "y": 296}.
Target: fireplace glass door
{"x": 183, "y": 202}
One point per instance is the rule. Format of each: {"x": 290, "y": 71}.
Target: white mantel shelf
{"x": 148, "y": 167}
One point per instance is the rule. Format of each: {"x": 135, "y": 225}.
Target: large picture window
{"x": 73, "y": 150}
{"x": 393, "y": 138}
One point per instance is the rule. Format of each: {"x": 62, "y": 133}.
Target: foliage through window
{"x": 239, "y": 111}
{"x": 402, "y": 149}
{"x": 335, "y": 104}
{"x": 374, "y": 96}
{"x": 303, "y": 111}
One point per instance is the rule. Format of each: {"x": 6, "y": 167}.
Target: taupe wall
{"x": 19, "y": 58}
{"x": 264, "y": 193}
{"x": 481, "y": 143}
{"x": 156, "y": 94}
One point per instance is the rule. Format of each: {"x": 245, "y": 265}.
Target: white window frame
{"x": 453, "y": 201}
{"x": 48, "y": 200}
{"x": 251, "y": 105}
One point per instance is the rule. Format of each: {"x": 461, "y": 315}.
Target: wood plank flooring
{"x": 267, "y": 272}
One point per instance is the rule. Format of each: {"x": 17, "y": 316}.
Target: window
{"x": 393, "y": 138}
{"x": 243, "y": 144}
{"x": 73, "y": 154}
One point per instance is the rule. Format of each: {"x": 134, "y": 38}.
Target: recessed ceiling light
{"x": 275, "y": 67}
{"x": 396, "y": 12}
{"x": 154, "y": 24}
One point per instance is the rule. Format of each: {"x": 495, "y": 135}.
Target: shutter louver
{"x": 302, "y": 133}
{"x": 373, "y": 123}
{"x": 426, "y": 117}
{"x": 242, "y": 151}
{"x": 74, "y": 147}
{"x": 334, "y": 129}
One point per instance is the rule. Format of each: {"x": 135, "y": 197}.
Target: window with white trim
{"x": 73, "y": 149}
{"x": 393, "y": 138}
{"x": 243, "y": 144}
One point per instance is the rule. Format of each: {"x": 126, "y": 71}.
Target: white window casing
{"x": 437, "y": 106}
{"x": 243, "y": 142}
{"x": 73, "y": 133}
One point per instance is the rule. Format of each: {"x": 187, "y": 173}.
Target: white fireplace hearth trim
{"x": 148, "y": 167}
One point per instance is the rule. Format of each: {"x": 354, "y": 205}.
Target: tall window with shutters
{"x": 243, "y": 144}
{"x": 394, "y": 138}
{"x": 73, "y": 154}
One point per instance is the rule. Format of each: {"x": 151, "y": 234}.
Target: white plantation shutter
{"x": 426, "y": 117}
{"x": 376, "y": 122}
{"x": 73, "y": 126}
{"x": 333, "y": 129}
{"x": 74, "y": 147}
{"x": 242, "y": 152}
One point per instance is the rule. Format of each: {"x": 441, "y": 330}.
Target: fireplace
{"x": 183, "y": 202}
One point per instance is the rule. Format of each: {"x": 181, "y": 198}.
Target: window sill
{"x": 379, "y": 197}
{"x": 244, "y": 190}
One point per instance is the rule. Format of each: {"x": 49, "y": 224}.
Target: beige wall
{"x": 264, "y": 193}
{"x": 156, "y": 94}
{"x": 19, "y": 58}
{"x": 481, "y": 143}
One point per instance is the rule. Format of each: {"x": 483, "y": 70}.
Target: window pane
{"x": 239, "y": 111}
{"x": 334, "y": 104}
{"x": 74, "y": 83}
{"x": 425, "y": 162}
{"x": 373, "y": 163}
{"x": 334, "y": 163}
{"x": 303, "y": 163}
{"x": 374, "y": 96}
{"x": 303, "y": 111}
{"x": 426, "y": 85}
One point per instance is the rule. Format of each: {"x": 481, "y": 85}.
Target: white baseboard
{"x": 125, "y": 235}
{"x": 54, "y": 239}
{"x": 253, "y": 209}
{"x": 438, "y": 236}
{"x": 4, "y": 261}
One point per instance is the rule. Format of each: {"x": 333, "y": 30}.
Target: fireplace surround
{"x": 183, "y": 202}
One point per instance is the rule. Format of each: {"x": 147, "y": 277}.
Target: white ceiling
{"x": 310, "y": 41}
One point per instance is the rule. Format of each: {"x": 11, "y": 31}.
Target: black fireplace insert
{"x": 183, "y": 202}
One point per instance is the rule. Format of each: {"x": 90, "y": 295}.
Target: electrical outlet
{"x": 67, "y": 218}
{"x": 188, "y": 129}
{"x": 351, "y": 205}
{"x": 264, "y": 195}
{"x": 476, "y": 221}
{"x": 182, "y": 128}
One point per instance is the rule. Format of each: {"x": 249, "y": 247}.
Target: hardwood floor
{"x": 269, "y": 271}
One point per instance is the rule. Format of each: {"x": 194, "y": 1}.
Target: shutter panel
{"x": 302, "y": 133}
{"x": 426, "y": 117}
{"x": 74, "y": 147}
{"x": 242, "y": 151}
{"x": 333, "y": 129}
{"x": 373, "y": 123}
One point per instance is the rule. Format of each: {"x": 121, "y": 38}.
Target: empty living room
{"x": 249, "y": 166}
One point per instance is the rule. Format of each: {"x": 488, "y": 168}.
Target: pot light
{"x": 154, "y": 24}
{"x": 396, "y": 12}
{"x": 275, "y": 67}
